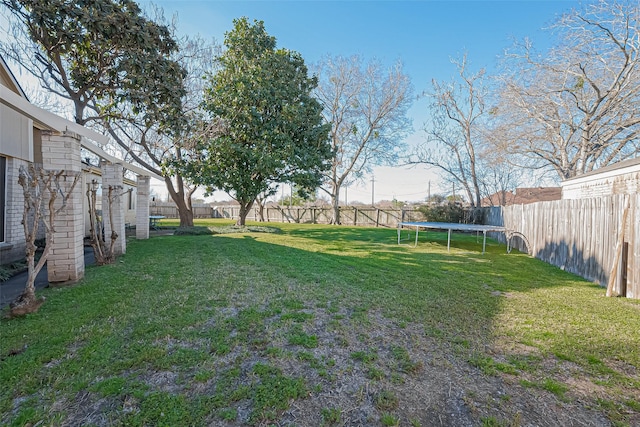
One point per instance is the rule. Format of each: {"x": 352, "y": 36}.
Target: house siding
{"x": 14, "y": 246}
{"x": 16, "y": 134}
{"x": 623, "y": 180}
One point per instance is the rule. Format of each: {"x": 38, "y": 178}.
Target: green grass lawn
{"x": 321, "y": 325}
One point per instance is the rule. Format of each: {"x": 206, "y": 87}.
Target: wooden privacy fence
{"x": 592, "y": 238}
{"x": 349, "y": 215}
{"x": 169, "y": 210}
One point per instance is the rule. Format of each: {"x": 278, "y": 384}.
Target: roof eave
{"x": 45, "y": 119}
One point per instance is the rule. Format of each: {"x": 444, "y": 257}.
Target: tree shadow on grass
{"x": 453, "y": 291}
{"x": 460, "y": 294}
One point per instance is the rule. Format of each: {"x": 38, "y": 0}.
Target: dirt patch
{"x": 360, "y": 369}
{"x": 445, "y": 391}
{"x": 358, "y": 359}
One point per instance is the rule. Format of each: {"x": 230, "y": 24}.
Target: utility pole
{"x": 346, "y": 201}
{"x": 373, "y": 180}
{"x": 429, "y": 191}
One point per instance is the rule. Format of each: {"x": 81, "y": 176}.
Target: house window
{"x": 3, "y": 195}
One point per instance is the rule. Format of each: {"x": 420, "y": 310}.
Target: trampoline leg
{"x": 416, "y": 237}
{"x": 449, "y": 242}
{"x": 484, "y": 242}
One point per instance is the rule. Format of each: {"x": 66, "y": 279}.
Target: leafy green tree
{"x": 268, "y": 128}
{"x": 100, "y": 55}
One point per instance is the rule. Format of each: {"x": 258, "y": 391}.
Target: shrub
{"x": 9, "y": 270}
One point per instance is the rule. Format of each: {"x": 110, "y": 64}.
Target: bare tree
{"x": 103, "y": 254}
{"x": 498, "y": 177}
{"x": 455, "y": 135}
{"x": 367, "y": 108}
{"x": 44, "y": 199}
{"x": 146, "y": 144}
{"x": 575, "y": 108}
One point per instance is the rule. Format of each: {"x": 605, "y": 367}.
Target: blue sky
{"x": 424, "y": 35}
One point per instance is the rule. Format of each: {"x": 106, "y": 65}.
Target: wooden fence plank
{"x": 578, "y": 235}
{"x": 633, "y": 281}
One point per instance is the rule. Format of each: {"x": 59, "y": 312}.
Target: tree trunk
{"x": 244, "y": 211}
{"x": 179, "y": 197}
{"x": 103, "y": 254}
{"x": 261, "y": 211}
{"x": 335, "y": 205}
{"x": 186, "y": 216}
{"x": 335, "y": 208}
{"x": 27, "y": 302}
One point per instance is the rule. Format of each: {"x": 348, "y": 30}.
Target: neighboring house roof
{"x": 499, "y": 198}
{"x": 522, "y": 196}
{"x": 629, "y": 165}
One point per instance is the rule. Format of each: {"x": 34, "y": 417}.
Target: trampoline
{"x": 450, "y": 226}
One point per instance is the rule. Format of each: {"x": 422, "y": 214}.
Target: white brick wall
{"x": 624, "y": 184}
{"x": 112, "y": 176}
{"x": 66, "y": 260}
{"x": 142, "y": 207}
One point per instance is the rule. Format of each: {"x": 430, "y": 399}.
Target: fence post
{"x": 377, "y": 217}
{"x": 355, "y": 216}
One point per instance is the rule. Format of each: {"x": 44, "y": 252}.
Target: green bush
{"x": 229, "y": 229}
{"x": 9, "y": 270}
{"x": 5, "y": 273}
